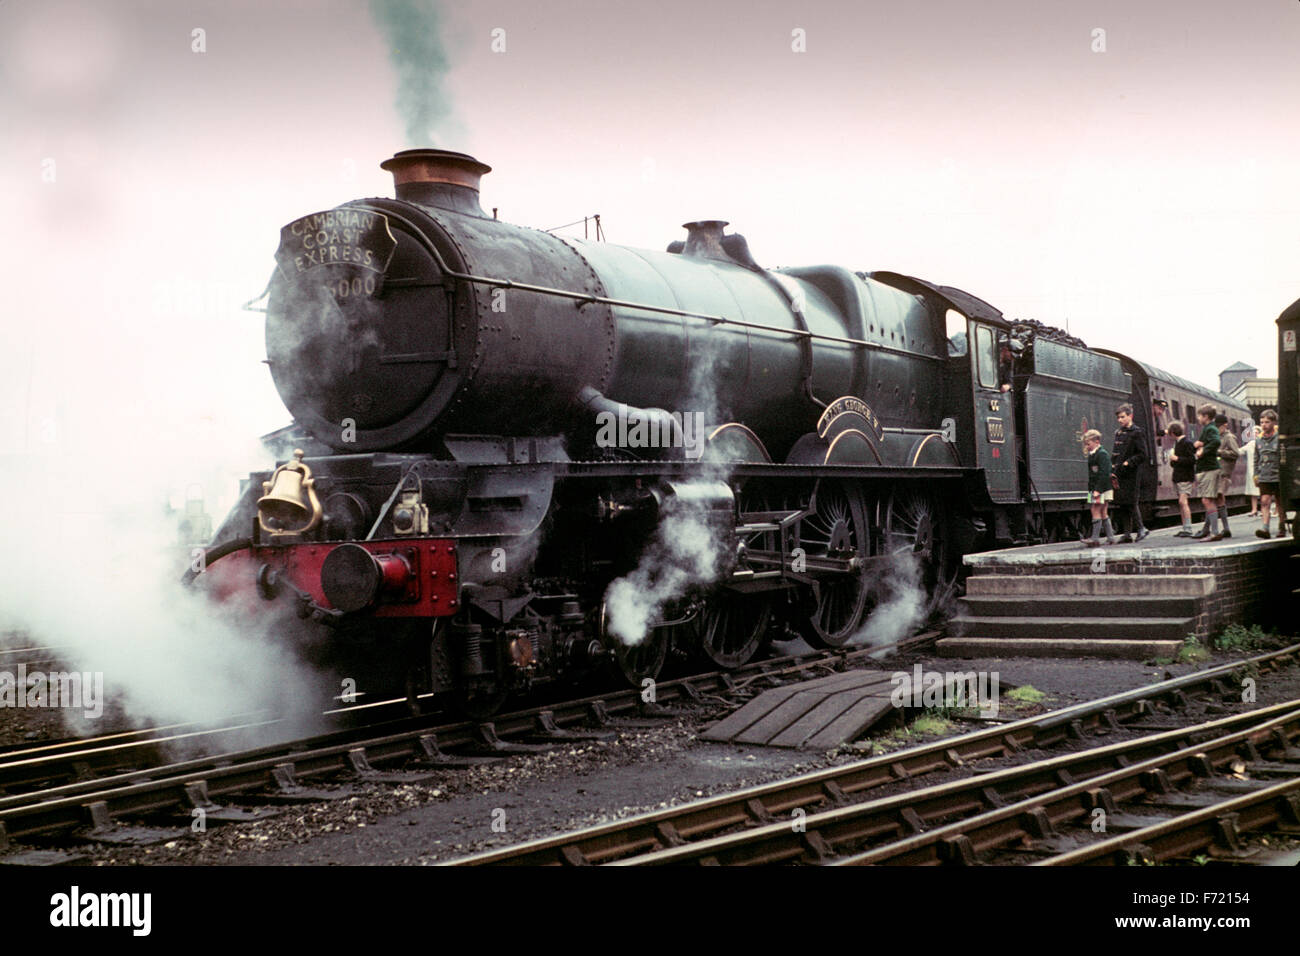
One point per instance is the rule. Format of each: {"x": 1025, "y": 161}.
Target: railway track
{"x": 744, "y": 825}
{"x": 74, "y": 802}
{"x": 31, "y": 766}
{"x": 47, "y": 764}
{"x": 1218, "y": 830}
{"x": 1209, "y": 780}
{"x": 1019, "y": 810}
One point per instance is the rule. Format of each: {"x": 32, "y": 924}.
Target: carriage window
{"x": 986, "y": 357}
{"x": 956, "y": 329}
{"x": 1191, "y": 416}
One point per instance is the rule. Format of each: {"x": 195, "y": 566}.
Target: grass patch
{"x": 928, "y": 724}
{"x": 931, "y": 724}
{"x": 1026, "y": 694}
{"x": 1193, "y": 651}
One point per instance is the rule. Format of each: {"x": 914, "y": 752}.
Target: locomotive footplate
{"x": 741, "y": 470}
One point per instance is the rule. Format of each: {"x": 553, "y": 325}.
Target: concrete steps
{"x": 1088, "y": 606}
{"x": 1046, "y": 585}
{"x": 1077, "y": 628}
{"x": 1017, "y": 647}
{"x": 1067, "y": 615}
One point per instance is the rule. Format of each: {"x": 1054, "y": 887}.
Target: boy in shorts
{"x": 1207, "y": 472}
{"x": 1229, "y": 452}
{"x": 1100, "y": 492}
{"x": 1268, "y": 473}
{"x": 1183, "y": 457}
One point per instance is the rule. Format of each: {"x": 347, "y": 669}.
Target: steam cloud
{"x": 93, "y": 565}
{"x": 413, "y": 31}
{"x": 683, "y": 554}
{"x": 901, "y": 603}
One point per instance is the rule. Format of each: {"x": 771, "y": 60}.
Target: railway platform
{"x": 1137, "y": 601}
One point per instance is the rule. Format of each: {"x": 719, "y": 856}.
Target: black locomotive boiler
{"x": 495, "y": 426}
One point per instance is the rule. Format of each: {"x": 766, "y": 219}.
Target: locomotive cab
{"x": 994, "y": 415}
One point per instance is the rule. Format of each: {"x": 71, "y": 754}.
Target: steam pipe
{"x": 591, "y": 400}
{"x": 216, "y": 553}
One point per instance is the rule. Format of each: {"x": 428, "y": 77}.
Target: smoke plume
{"x": 413, "y": 30}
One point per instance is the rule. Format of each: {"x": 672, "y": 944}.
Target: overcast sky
{"x": 1145, "y": 194}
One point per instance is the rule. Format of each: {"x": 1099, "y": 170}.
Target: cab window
{"x": 986, "y": 357}
{"x": 956, "y": 329}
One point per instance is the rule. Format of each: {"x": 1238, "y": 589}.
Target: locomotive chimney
{"x": 438, "y": 177}
{"x": 704, "y": 239}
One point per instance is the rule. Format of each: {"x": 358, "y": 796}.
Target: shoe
{"x": 1091, "y": 542}
{"x": 1142, "y": 534}
{"x": 1182, "y": 534}
{"x": 1226, "y": 534}
{"x": 1202, "y": 534}
{"x": 1111, "y": 542}
{"x": 1261, "y": 533}
{"x": 1127, "y": 539}
{"x": 1215, "y": 537}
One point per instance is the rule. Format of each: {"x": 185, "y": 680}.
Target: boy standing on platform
{"x": 1229, "y": 452}
{"x": 1207, "y": 472}
{"x": 1100, "y": 492}
{"x": 1268, "y": 472}
{"x": 1184, "y": 461}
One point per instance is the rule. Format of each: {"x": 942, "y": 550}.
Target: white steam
{"x": 92, "y": 559}
{"x": 683, "y": 554}
{"x": 901, "y": 603}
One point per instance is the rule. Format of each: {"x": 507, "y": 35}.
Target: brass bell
{"x": 289, "y": 505}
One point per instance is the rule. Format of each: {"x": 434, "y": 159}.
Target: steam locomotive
{"x": 520, "y": 458}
